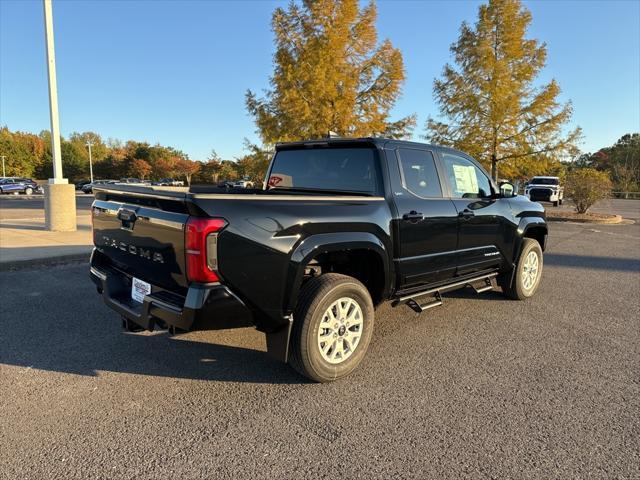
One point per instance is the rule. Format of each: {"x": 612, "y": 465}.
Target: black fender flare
{"x": 525, "y": 224}
{"x": 320, "y": 243}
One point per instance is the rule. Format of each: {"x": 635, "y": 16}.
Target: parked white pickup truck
{"x": 545, "y": 189}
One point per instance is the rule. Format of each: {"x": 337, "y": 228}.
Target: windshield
{"x": 333, "y": 169}
{"x": 544, "y": 181}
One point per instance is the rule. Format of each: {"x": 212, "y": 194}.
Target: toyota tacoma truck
{"x": 339, "y": 227}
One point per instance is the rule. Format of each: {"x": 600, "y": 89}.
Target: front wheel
{"x": 528, "y": 272}
{"x": 332, "y": 327}
{"x": 28, "y": 191}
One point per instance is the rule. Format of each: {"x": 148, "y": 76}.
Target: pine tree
{"x": 492, "y": 106}
{"x": 330, "y": 74}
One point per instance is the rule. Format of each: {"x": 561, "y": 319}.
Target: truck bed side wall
{"x": 256, "y": 250}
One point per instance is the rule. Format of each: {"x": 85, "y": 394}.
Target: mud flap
{"x": 278, "y": 341}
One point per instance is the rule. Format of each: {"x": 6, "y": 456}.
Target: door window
{"x": 465, "y": 178}
{"x": 419, "y": 174}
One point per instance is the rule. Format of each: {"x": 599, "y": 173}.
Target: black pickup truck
{"x": 340, "y": 226}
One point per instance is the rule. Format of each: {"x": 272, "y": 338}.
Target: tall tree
{"x": 491, "y": 105}
{"x": 139, "y": 168}
{"x": 330, "y": 74}
{"x": 186, "y": 168}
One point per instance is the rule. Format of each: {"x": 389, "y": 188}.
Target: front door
{"x": 482, "y": 216}
{"x": 426, "y": 223}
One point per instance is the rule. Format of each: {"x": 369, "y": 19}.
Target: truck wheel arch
{"x": 327, "y": 247}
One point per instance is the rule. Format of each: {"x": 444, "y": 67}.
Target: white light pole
{"x": 90, "y": 163}
{"x": 3, "y": 173}
{"x": 59, "y": 199}
{"x": 53, "y": 95}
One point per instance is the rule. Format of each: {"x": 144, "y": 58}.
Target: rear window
{"x": 343, "y": 169}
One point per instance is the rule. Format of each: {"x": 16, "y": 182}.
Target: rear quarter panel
{"x": 256, "y": 249}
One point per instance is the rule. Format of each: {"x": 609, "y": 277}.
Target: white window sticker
{"x": 466, "y": 179}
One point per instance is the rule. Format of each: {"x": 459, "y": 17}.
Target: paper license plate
{"x": 139, "y": 289}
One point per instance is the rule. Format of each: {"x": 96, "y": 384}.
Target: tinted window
{"x": 344, "y": 169}
{"x": 545, "y": 181}
{"x": 466, "y": 180}
{"x": 419, "y": 173}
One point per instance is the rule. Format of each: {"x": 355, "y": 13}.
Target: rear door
{"x": 426, "y": 224}
{"x": 483, "y": 219}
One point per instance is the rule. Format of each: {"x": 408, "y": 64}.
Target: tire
{"x": 520, "y": 288}
{"x": 319, "y": 303}
{"x": 555, "y": 204}
{"x": 28, "y": 191}
{"x": 560, "y": 201}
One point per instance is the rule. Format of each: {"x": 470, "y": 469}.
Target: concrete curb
{"x": 48, "y": 261}
{"x": 613, "y": 220}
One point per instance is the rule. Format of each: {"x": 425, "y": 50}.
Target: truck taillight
{"x": 201, "y": 245}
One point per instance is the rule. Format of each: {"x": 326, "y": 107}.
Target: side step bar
{"x": 436, "y": 300}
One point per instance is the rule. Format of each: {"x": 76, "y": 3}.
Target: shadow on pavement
{"x": 592, "y": 262}
{"x": 58, "y": 323}
{"x": 89, "y": 349}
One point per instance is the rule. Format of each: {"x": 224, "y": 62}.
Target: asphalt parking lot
{"x": 480, "y": 387}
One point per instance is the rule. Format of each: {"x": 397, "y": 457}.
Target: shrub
{"x": 585, "y": 186}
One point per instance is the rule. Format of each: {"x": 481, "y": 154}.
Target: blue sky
{"x": 175, "y": 72}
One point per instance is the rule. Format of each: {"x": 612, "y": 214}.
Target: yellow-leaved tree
{"x": 330, "y": 73}
{"x": 490, "y": 104}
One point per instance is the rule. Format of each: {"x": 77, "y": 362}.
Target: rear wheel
{"x": 528, "y": 272}
{"x": 332, "y": 327}
{"x": 555, "y": 204}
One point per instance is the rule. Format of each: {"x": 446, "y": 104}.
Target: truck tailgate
{"x": 143, "y": 237}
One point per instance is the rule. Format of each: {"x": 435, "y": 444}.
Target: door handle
{"x": 413, "y": 216}
{"x": 466, "y": 214}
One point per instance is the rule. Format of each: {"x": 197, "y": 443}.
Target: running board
{"x": 436, "y": 300}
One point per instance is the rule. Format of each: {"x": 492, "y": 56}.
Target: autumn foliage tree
{"x": 586, "y": 186}
{"x": 139, "y": 168}
{"x": 186, "y": 168}
{"x": 330, "y": 74}
{"x": 490, "y": 104}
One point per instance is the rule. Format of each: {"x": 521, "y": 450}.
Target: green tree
{"x": 490, "y": 102}
{"x": 24, "y": 152}
{"x": 254, "y": 164}
{"x": 330, "y": 74}
{"x": 228, "y": 170}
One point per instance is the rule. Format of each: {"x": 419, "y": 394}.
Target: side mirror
{"x": 507, "y": 190}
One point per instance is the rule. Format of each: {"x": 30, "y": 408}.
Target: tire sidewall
{"x": 528, "y": 247}
{"x": 313, "y": 359}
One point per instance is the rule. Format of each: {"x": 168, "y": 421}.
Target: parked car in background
{"x": 88, "y": 188}
{"x": 82, "y": 183}
{"x": 545, "y": 189}
{"x": 243, "y": 184}
{"x": 169, "y": 182}
{"x": 17, "y": 185}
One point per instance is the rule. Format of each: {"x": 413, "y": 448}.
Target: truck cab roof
{"x": 380, "y": 142}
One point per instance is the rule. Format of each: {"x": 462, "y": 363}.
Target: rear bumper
{"x": 205, "y": 307}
